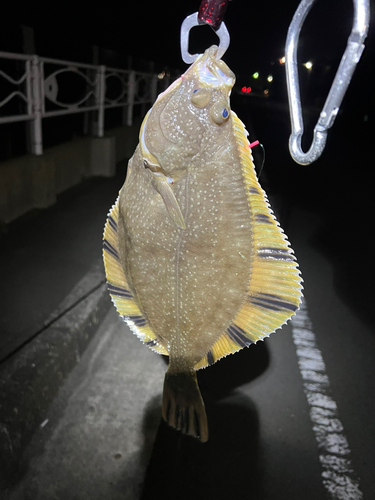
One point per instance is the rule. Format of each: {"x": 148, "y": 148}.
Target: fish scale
{"x": 196, "y": 262}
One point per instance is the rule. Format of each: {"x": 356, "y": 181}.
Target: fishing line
{"x": 263, "y": 161}
{"x": 257, "y": 143}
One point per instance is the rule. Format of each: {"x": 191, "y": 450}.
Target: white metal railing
{"x": 39, "y": 81}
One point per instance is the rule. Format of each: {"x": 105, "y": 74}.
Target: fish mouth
{"x": 212, "y": 72}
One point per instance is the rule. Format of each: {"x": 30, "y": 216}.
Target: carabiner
{"x": 193, "y": 20}
{"x": 340, "y": 83}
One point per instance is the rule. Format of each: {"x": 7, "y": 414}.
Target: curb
{"x": 32, "y": 377}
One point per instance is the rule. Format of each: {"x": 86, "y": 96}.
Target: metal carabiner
{"x": 340, "y": 83}
{"x": 191, "y": 21}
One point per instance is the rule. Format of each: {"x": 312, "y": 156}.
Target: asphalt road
{"x": 289, "y": 418}
{"x": 104, "y": 437}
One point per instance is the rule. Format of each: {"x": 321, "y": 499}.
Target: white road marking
{"x": 339, "y": 478}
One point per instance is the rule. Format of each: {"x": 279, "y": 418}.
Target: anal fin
{"x": 275, "y": 285}
{"x": 119, "y": 289}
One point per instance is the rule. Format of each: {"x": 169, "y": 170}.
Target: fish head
{"x": 189, "y": 116}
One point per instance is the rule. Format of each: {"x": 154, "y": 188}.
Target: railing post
{"x": 35, "y": 130}
{"x": 131, "y": 93}
{"x": 124, "y": 114}
{"x": 29, "y": 98}
{"x": 101, "y": 99}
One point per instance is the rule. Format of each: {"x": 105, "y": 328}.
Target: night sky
{"x": 150, "y": 29}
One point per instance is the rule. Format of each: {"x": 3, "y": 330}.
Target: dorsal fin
{"x": 118, "y": 286}
{"x": 275, "y": 290}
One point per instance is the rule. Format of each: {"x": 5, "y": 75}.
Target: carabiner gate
{"x": 340, "y": 83}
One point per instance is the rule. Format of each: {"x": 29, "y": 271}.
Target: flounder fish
{"x": 195, "y": 260}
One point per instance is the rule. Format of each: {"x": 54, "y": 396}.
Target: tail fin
{"x": 183, "y": 406}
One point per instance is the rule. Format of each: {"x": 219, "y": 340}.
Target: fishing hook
{"x": 210, "y": 12}
{"x": 350, "y": 59}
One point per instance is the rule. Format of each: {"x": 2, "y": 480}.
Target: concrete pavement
{"x": 99, "y": 435}
{"x": 104, "y": 437}
{"x": 53, "y": 297}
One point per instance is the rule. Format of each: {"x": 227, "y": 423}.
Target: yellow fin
{"x": 118, "y": 286}
{"x": 275, "y": 290}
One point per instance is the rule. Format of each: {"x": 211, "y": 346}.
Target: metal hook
{"x": 340, "y": 83}
{"x": 191, "y": 21}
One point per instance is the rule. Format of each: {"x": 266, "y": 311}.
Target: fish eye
{"x": 219, "y": 112}
{"x": 201, "y": 97}
{"x": 145, "y": 163}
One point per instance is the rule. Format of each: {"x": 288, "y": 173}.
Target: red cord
{"x": 212, "y": 12}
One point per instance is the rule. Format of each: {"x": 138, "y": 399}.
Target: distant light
{"x": 308, "y": 64}
{"x": 266, "y": 92}
{"x": 282, "y": 60}
{"x": 161, "y": 75}
{"x": 243, "y": 89}
{"x": 168, "y": 74}
{"x": 256, "y": 75}
{"x": 246, "y": 90}
{"x": 269, "y": 78}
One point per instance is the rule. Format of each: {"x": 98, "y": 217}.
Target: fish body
{"x": 195, "y": 260}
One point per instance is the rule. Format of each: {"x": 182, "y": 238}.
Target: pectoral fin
{"x": 164, "y": 189}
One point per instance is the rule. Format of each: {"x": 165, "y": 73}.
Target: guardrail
{"x": 44, "y": 87}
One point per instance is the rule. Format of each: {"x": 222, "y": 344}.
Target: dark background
{"x": 144, "y": 35}
{"x": 337, "y": 189}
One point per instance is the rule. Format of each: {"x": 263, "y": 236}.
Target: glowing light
{"x": 269, "y": 78}
{"x": 256, "y": 75}
{"x": 246, "y": 90}
{"x": 282, "y": 60}
{"x": 266, "y": 92}
{"x": 308, "y": 64}
{"x": 161, "y": 75}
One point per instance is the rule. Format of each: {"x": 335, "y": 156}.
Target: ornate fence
{"x": 33, "y": 88}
